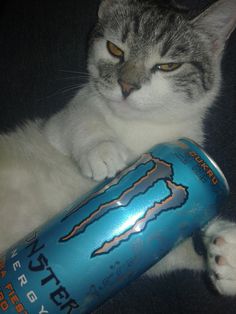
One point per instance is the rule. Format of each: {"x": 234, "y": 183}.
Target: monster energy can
{"x": 103, "y": 241}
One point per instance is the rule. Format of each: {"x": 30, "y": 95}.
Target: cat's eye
{"x": 166, "y": 67}
{"x": 114, "y": 50}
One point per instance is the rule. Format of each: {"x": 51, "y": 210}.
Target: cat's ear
{"x": 104, "y": 7}
{"x": 219, "y": 20}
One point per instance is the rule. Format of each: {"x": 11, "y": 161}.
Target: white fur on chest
{"x": 140, "y": 136}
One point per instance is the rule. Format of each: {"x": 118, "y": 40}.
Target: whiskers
{"x": 78, "y": 80}
{"x": 76, "y": 75}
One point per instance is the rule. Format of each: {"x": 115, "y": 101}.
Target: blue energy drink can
{"x": 111, "y": 236}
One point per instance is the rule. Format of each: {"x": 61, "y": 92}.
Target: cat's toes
{"x": 220, "y": 241}
{"x": 104, "y": 160}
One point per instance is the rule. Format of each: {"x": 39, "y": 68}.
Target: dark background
{"x": 40, "y": 43}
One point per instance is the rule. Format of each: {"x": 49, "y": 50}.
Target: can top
{"x": 216, "y": 166}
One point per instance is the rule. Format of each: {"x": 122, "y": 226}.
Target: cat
{"x": 154, "y": 73}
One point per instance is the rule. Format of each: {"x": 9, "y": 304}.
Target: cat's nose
{"x": 127, "y": 88}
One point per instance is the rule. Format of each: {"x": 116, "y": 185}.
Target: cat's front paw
{"x": 104, "y": 160}
{"x": 220, "y": 241}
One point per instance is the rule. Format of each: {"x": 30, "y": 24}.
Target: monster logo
{"x": 160, "y": 170}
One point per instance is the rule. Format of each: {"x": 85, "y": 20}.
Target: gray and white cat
{"x": 154, "y": 72}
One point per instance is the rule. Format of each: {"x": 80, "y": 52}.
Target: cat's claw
{"x": 104, "y": 160}
{"x": 220, "y": 241}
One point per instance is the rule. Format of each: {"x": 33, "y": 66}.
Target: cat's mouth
{"x": 127, "y": 107}
{"x": 109, "y": 94}
{"x": 129, "y": 104}
{"x": 133, "y": 104}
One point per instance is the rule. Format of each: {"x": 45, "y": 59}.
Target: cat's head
{"x": 145, "y": 58}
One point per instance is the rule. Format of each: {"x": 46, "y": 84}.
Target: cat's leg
{"x": 220, "y": 241}
{"x": 82, "y": 132}
{"x": 183, "y": 256}
{"x": 104, "y": 159}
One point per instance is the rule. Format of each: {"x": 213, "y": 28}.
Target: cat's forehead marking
{"x": 141, "y": 30}
{"x": 125, "y": 33}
